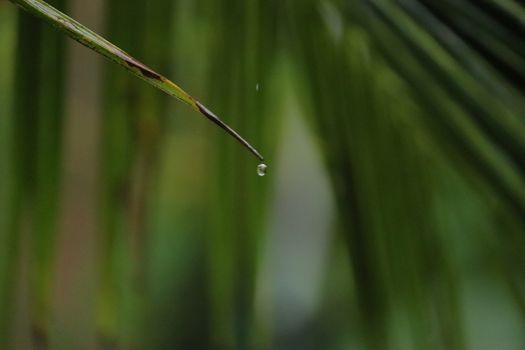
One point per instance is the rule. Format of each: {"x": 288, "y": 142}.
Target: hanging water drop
{"x": 261, "y": 169}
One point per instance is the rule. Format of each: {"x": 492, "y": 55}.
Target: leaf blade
{"x": 92, "y": 40}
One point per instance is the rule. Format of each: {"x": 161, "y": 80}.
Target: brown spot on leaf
{"x": 144, "y": 70}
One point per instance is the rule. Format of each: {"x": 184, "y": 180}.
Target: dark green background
{"x": 392, "y": 215}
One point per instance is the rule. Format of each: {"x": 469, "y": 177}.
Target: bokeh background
{"x": 392, "y": 215}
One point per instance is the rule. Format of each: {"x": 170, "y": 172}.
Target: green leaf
{"x": 95, "y": 42}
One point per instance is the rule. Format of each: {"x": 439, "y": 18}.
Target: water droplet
{"x": 261, "y": 169}
{"x": 257, "y": 87}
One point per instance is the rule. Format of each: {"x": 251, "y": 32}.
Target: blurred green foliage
{"x": 129, "y": 222}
